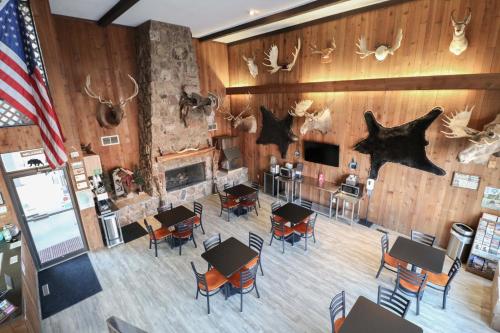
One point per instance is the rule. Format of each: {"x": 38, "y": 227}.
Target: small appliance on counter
{"x": 352, "y": 190}
{"x": 352, "y": 180}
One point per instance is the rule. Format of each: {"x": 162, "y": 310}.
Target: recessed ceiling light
{"x": 253, "y": 12}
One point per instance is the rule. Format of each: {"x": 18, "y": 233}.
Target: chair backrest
{"x": 200, "y": 278}
{"x": 306, "y": 204}
{"x": 211, "y": 242}
{"x": 384, "y": 243}
{"x": 413, "y": 278}
{"x": 226, "y": 186}
{"x": 255, "y": 186}
{"x": 337, "y": 305}
{"x": 277, "y": 226}
{"x": 184, "y": 226}
{"x": 248, "y": 275}
{"x": 311, "y": 222}
{"x": 149, "y": 229}
{"x": 393, "y": 301}
{"x": 420, "y": 237}
{"x": 454, "y": 269}
{"x": 197, "y": 208}
{"x": 255, "y": 242}
{"x": 164, "y": 208}
{"x": 275, "y": 205}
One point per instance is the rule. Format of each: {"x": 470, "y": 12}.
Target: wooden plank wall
{"x": 404, "y": 198}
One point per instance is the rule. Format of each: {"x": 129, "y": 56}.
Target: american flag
{"x": 21, "y": 82}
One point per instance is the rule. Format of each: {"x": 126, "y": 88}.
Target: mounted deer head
{"x": 320, "y": 120}
{"x": 109, "y": 115}
{"x": 252, "y": 67}
{"x": 459, "y": 43}
{"x": 196, "y": 102}
{"x": 272, "y": 58}
{"x": 247, "y": 124}
{"x": 381, "y": 52}
{"x": 326, "y": 53}
{"x": 483, "y": 143}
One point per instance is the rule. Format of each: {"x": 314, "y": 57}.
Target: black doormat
{"x": 366, "y": 223}
{"x": 133, "y": 231}
{"x": 68, "y": 283}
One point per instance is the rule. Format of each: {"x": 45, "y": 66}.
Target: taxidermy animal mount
{"x": 320, "y": 120}
{"x": 482, "y": 144}
{"x": 380, "y": 52}
{"x": 276, "y": 131}
{"x": 196, "y": 102}
{"x": 459, "y": 43}
{"x": 247, "y": 124}
{"x": 403, "y": 144}
{"x": 326, "y": 53}
{"x": 252, "y": 67}
{"x": 109, "y": 115}
{"x": 272, "y": 58}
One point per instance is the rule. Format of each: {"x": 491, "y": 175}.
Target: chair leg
{"x": 241, "y": 300}
{"x": 208, "y": 303}
{"x": 314, "y": 237}
{"x": 283, "y": 241}
{"x": 180, "y": 246}
{"x": 306, "y": 242}
{"x": 150, "y": 244}
{"x": 256, "y": 289}
{"x": 192, "y": 236}
{"x": 197, "y": 292}
{"x": 156, "y": 250}
{"x": 256, "y": 212}
{"x": 272, "y": 237}
{"x": 380, "y": 269}
{"x": 418, "y": 304}
{"x": 228, "y": 212}
{"x": 226, "y": 289}
{"x": 260, "y": 264}
{"x": 445, "y": 294}
{"x": 202, "y": 229}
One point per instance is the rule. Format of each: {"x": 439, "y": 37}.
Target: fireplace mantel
{"x": 174, "y": 156}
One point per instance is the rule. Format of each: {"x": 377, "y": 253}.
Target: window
{"x": 9, "y": 116}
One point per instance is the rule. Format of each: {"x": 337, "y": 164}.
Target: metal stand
{"x": 365, "y": 222}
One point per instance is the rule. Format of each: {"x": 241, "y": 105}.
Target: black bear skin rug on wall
{"x": 403, "y": 144}
{"x": 276, "y": 131}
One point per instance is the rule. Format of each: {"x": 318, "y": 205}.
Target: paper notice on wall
{"x": 15, "y": 245}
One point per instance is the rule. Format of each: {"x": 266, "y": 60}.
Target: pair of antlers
{"x": 228, "y": 116}
{"x": 88, "y": 90}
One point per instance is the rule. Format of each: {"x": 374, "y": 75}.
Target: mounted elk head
{"x": 459, "y": 43}
{"x": 252, "y": 67}
{"x": 272, "y": 58}
{"x": 196, "y": 102}
{"x": 326, "y": 53}
{"x": 109, "y": 115}
{"x": 381, "y": 52}
{"x": 247, "y": 124}
{"x": 483, "y": 143}
{"x": 320, "y": 120}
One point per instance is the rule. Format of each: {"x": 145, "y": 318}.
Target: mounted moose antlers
{"x": 246, "y": 124}
{"x": 380, "y": 52}
{"x": 320, "y": 120}
{"x": 110, "y": 115}
{"x": 459, "y": 43}
{"x": 272, "y": 58}
{"x": 252, "y": 67}
{"x": 326, "y": 54}
{"x": 196, "y": 102}
{"x": 483, "y": 143}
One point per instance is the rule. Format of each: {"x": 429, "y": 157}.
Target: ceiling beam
{"x": 271, "y": 18}
{"x": 115, "y": 12}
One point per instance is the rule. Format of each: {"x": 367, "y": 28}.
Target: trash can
{"x": 461, "y": 236}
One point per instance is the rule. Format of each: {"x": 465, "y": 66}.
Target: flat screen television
{"x": 321, "y": 153}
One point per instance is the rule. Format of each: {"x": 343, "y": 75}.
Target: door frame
{"x": 16, "y": 202}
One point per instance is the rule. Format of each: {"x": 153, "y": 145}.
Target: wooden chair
{"x": 388, "y": 261}
{"x": 208, "y": 284}
{"x": 337, "y": 305}
{"x": 226, "y": 204}
{"x": 306, "y": 229}
{"x": 279, "y": 231}
{"x": 393, "y": 301}
{"x": 244, "y": 282}
{"x": 411, "y": 283}
{"x": 198, "y": 210}
{"x": 442, "y": 282}
{"x": 210, "y": 243}
{"x": 156, "y": 236}
{"x": 250, "y": 202}
{"x": 420, "y": 237}
{"x": 164, "y": 208}
{"x": 184, "y": 231}
{"x": 256, "y": 243}
{"x": 256, "y": 187}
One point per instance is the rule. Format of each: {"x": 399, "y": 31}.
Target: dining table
{"x": 367, "y": 316}
{"x": 426, "y": 257}
{"x": 170, "y": 218}
{"x": 237, "y": 192}
{"x": 293, "y": 214}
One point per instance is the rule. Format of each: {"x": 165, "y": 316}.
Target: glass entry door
{"x": 46, "y": 206}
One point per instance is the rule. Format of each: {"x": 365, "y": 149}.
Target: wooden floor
{"x": 157, "y": 295}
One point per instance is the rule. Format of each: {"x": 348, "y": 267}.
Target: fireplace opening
{"x": 185, "y": 176}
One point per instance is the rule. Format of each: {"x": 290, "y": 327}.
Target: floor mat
{"x": 133, "y": 231}
{"x": 66, "y": 284}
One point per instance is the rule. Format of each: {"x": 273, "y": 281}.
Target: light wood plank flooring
{"x": 157, "y": 294}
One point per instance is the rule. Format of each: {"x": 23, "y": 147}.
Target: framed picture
{"x": 79, "y": 178}
{"x": 2, "y": 202}
{"x": 80, "y": 171}
{"x": 77, "y": 165}
{"x": 491, "y": 198}
{"x": 463, "y": 180}
{"x": 85, "y": 199}
{"x": 82, "y": 185}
